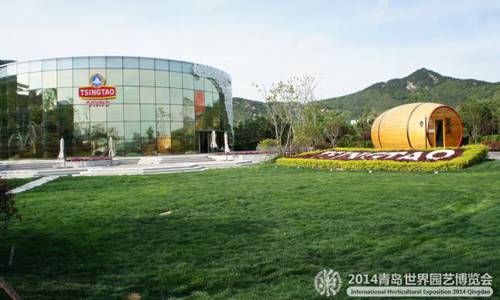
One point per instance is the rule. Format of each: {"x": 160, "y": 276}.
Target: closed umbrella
{"x": 61, "y": 149}
{"x": 213, "y": 144}
{"x": 226, "y": 143}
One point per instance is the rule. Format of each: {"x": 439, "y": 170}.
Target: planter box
{"x": 96, "y": 163}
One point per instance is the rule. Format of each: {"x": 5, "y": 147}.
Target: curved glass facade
{"x": 160, "y": 107}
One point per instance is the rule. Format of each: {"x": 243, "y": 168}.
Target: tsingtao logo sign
{"x": 97, "y": 93}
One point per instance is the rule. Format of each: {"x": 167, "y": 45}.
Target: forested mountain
{"x": 422, "y": 85}
{"x": 3, "y": 62}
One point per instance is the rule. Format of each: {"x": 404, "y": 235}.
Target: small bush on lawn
{"x": 322, "y": 146}
{"x": 8, "y": 210}
{"x": 267, "y": 144}
{"x": 472, "y": 154}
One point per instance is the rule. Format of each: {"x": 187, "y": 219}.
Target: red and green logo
{"x": 97, "y": 89}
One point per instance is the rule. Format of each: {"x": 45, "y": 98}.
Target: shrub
{"x": 267, "y": 144}
{"x": 322, "y": 146}
{"x": 472, "y": 154}
{"x": 493, "y": 146}
{"x": 356, "y": 144}
{"x": 8, "y": 210}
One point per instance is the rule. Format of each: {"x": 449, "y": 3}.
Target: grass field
{"x": 16, "y": 182}
{"x": 249, "y": 233}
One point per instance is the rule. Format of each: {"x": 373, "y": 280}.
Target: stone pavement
{"x": 33, "y": 184}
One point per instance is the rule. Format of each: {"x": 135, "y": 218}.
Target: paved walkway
{"x": 33, "y": 184}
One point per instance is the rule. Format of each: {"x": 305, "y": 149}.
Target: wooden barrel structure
{"x": 418, "y": 126}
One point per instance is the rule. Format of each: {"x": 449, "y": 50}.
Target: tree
{"x": 286, "y": 104}
{"x": 334, "y": 127}
{"x": 8, "y": 214}
{"x": 474, "y": 114}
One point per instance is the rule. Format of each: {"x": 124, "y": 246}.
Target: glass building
{"x": 159, "y": 107}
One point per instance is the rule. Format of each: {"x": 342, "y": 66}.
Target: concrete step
{"x": 30, "y": 166}
{"x": 140, "y": 171}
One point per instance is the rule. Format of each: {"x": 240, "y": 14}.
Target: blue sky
{"x": 346, "y": 45}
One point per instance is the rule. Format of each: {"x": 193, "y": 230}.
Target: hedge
{"x": 473, "y": 154}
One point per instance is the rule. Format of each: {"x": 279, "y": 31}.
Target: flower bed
{"x": 389, "y": 159}
{"x": 99, "y": 158}
{"x": 246, "y": 152}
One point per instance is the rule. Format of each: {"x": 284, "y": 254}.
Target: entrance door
{"x": 439, "y": 133}
{"x": 203, "y": 142}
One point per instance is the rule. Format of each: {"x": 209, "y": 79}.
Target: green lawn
{"x": 249, "y": 233}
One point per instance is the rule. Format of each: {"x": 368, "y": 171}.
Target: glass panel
{"x": 132, "y": 112}
{"x": 50, "y": 79}
{"x": 176, "y": 96}
{"x": 162, "y": 95}
{"x": 97, "y": 62}
{"x": 116, "y": 130}
{"x": 131, "y": 77}
{"x": 114, "y": 63}
{"x": 22, "y": 82}
{"x": 187, "y": 67}
{"x": 208, "y": 85}
{"x": 98, "y": 114}
{"x": 177, "y": 146}
{"x": 132, "y": 130}
{"x": 188, "y": 98}
{"x": 36, "y": 100}
{"x": 35, "y": 80}
{"x": 64, "y": 78}
{"x": 175, "y": 66}
{"x": 187, "y": 81}
{"x": 148, "y": 112}
{"x": 49, "y": 64}
{"x": 12, "y": 70}
{"x": 148, "y": 130}
{"x": 163, "y": 113}
{"x": 65, "y": 96}
{"x": 115, "y": 112}
{"x": 80, "y": 63}
{"x": 177, "y": 129}
{"x": 35, "y": 66}
{"x": 114, "y": 77}
{"x": 98, "y": 131}
{"x": 189, "y": 113}
{"x": 215, "y": 99}
{"x": 176, "y": 80}
{"x": 119, "y": 96}
{"x": 147, "y": 78}
{"x": 132, "y": 147}
{"x": 147, "y": 63}
{"x": 199, "y": 83}
{"x": 81, "y": 113}
{"x": 191, "y": 146}
{"x": 162, "y": 78}
{"x": 49, "y": 101}
{"x": 147, "y": 95}
{"x": 199, "y": 98}
{"x": 189, "y": 131}
{"x": 176, "y": 112}
{"x": 131, "y": 63}
{"x": 208, "y": 99}
{"x": 98, "y": 71}
{"x": 3, "y": 72}
{"x": 76, "y": 98}
{"x": 161, "y": 64}
{"x": 64, "y": 63}
{"x": 22, "y": 68}
{"x": 131, "y": 94}
{"x": 81, "y": 78}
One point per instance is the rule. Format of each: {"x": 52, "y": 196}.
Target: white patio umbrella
{"x": 213, "y": 144}
{"x": 61, "y": 150}
{"x": 226, "y": 143}
{"x": 111, "y": 146}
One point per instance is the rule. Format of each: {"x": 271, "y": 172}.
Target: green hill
{"x": 422, "y": 85}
